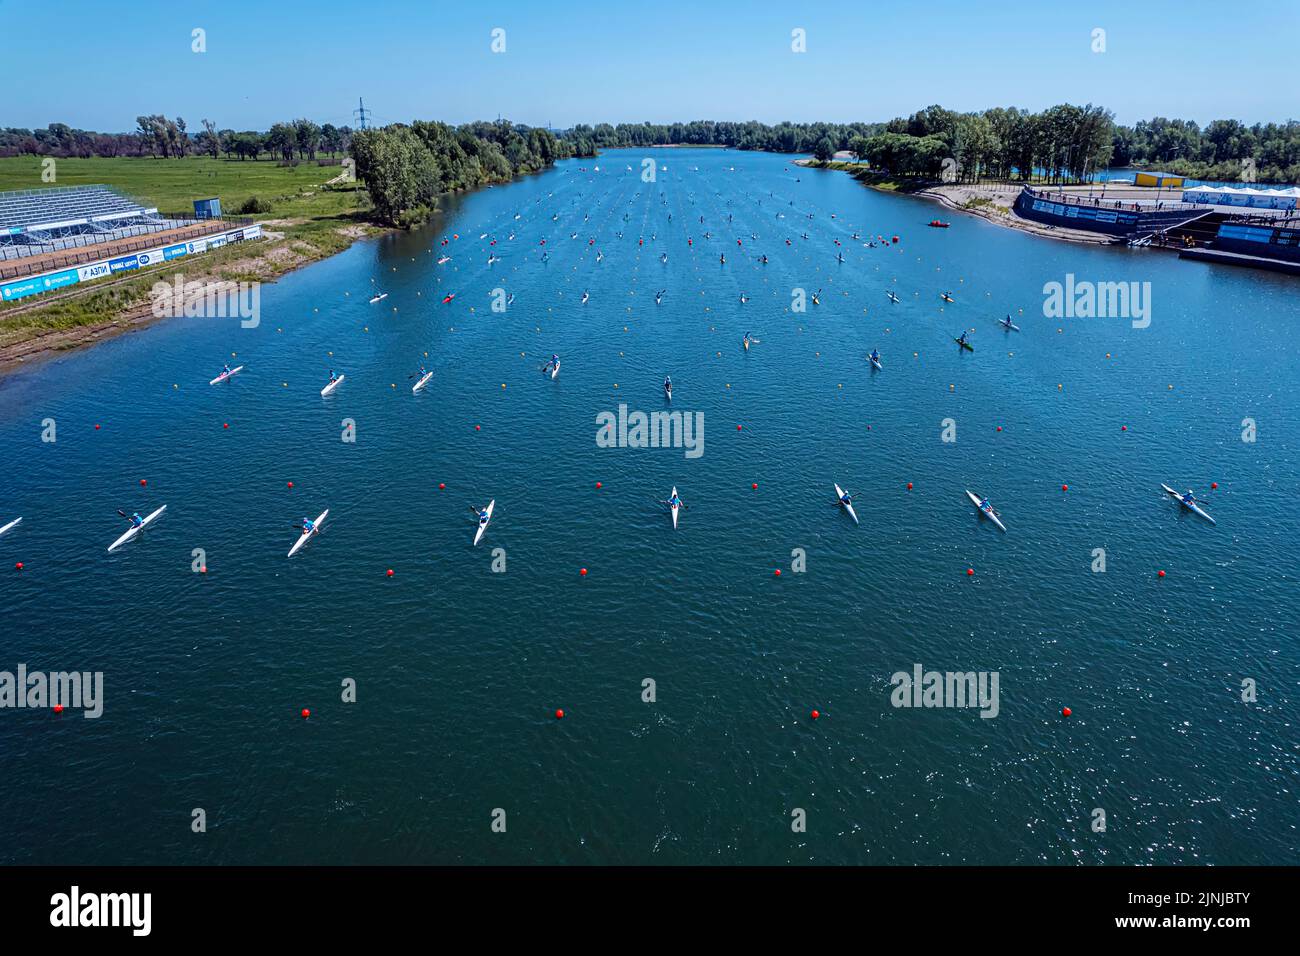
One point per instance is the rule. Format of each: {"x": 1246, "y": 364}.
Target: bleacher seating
{"x": 40, "y": 207}
{"x": 45, "y": 220}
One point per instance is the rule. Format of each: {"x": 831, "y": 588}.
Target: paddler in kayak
{"x": 225, "y": 370}
{"x": 332, "y": 379}
{"x": 846, "y": 499}
{"x": 308, "y": 526}
{"x": 961, "y": 339}
{"x": 554, "y": 362}
{"x": 135, "y": 519}
{"x": 481, "y": 513}
{"x": 875, "y": 355}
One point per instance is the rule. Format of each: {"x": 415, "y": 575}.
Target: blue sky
{"x": 615, "y": 61}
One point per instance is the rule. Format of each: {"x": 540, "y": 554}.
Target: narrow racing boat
{"x": 987, "y": 511}
{"x": 10, "y": 525}
{"x": 303, "y": 536}
{"x": 424, "y": 380}
{"x": 846, "y": 505}
{"x": 332, "y": 385}
{"x": 483, "y": 522}
{"x": 132, "y": 531}
{"x": 1193, "y": 505}
{"x": 226, "y": 376}
{"x": 379, "y": 298}
{"x": 1008, "y": 325}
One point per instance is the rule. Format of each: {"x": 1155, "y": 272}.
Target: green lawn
{"x": 172, "y": 185}
{"x": 316, "y": 221}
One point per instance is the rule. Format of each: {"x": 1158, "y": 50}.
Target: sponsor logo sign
{"x": 124, "y": 263}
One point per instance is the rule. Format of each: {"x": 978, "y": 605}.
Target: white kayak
{"x": 556, "y": 370}
{"x": 422, "y": 382}
{"x": 1010, "y": 326}
{"x": 839, "y": 496}
{"x": 332, "y": 385}
{"x": 484, "y": 522}
{"x": 132, "y": 531}
{"x": 987, "y": 512}
{"x": 875, "y": 363}
{"x": 379, "y": 298}
{"x": 10, "y": 525}
{"x": 303, "y": 536}
{"x": 225, "y": 376}
{"x": 1192, "y": 506}
{"x": 674, "y": 507}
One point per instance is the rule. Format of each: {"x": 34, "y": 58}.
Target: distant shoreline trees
{"x": 405, "y": 168}
{"x": 1060, "y": 143}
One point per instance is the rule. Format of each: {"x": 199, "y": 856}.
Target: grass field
{"x": 172, "y": 185}
{"x": 307, "y": 219}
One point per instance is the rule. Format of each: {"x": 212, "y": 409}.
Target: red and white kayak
{"x": 226, "y": 376}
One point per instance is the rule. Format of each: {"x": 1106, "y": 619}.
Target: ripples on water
{"x": 460, "y": 670}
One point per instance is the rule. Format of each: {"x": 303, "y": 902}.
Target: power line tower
{"x": 361, "y": 112}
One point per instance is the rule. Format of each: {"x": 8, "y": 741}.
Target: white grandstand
{"x": 49, "y": 220}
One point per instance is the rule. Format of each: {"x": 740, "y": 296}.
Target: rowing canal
{"x": 459, "y": 669}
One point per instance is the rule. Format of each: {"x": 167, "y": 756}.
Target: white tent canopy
{"x": 1243, "y": 196}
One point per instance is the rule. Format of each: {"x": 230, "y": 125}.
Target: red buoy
{"x": 738, "y": 428}
{"x": 390, "y": 572}
{"x": 225, "y": 424}
{"x": 969, "y": 572}
{"x": 778, "y": 572}
{"x": 754, "y": 486}
{"x": 1065, "y": 487}
{"x": 18, "y": 566}
{"x": 442, "y": 486}
{"x": 1214, "y": 484}
{"x": 58, "y": 708}
{"x": 598, "y": 485}
{"x": 1160, "y": 573}
{"x": 478, "y": 428}
{"x": 583, "y": 572}
{"x": 999, "y": 428}
{"x": 97, "y": 427}
{"x": 143, "y": 482}
{"x": 1065, "y": 711}
{"x": 305, "y": 713}
{"x": 816, "y": 714}
{"x": 291, "y": 484}
{"x": 909, "y": 486}
{"x": 1123, "y": 428}
{"x": 559, "y": 715}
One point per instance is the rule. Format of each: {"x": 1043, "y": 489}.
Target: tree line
{"x": 405, "y": 168}
{"x": 158, "y": 136}
{"x": 1064, "y": 142}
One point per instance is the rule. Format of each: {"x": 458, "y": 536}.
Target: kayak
{"x": 302, "y": 538}
{"x": 839, "y": 496}
{"x": 674, "y": 508}
{"x": 332, "y": 385}
{"x": 226, "y": 375}
{"x": 10, "y": 525}
{"x": 1010, "y": 326}
{"x": 892, "y": 297}
{"x": 132, "y": 531}
{"x": 482, "y": 525}
{"x": 422, "y": 382}
{"x": 668, "y": 392}
{"x": 989, "y": 513}
{"x": 556, "y": 370}
{"x": 966, "y": 345}
{"x": 380, "y": 297}
{"x": 875, "y": 363}
{"x": 1189, "y": 505}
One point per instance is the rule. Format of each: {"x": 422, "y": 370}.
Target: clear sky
{"x": 618, "y": 61}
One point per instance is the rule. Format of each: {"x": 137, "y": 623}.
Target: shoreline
{"x": 279, "y": 254}
{"x": 958, "y": 198}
